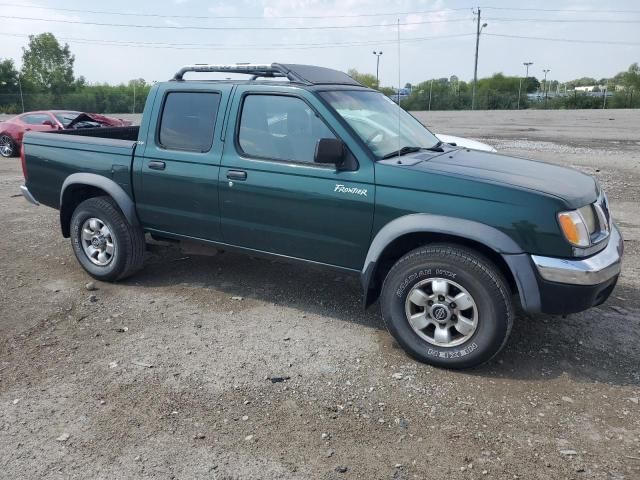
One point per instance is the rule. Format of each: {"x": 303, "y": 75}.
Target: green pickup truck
{"x": 304, "y": 163}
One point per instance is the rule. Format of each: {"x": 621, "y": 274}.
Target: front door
{"x": 273, "y": 196}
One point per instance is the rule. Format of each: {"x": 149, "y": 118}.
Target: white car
{"x": 465, "y": 142}
{"x": 369, "y": 126}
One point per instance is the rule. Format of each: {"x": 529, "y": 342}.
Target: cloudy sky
{"x": 151, "y": 39}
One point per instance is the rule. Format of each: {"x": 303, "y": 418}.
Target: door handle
{"x": 157, "y": 165}
{"x": 236, "y": 175}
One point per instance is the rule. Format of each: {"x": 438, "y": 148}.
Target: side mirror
{"x": 329, "y": 150}
{"x": 49, "y": 123}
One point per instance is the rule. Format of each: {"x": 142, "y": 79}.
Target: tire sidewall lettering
{"x": 423, "y": 273}
{"x": 452, "y": 353}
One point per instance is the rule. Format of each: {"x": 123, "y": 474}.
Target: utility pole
{"x": 377, "y": 54}
{"x": 475, "y": 68}
{"x": 604, "y": 100}
{"x": 430, "y": 89}
{"x": 526, "y": 77}
{"x": 545, "y": 84}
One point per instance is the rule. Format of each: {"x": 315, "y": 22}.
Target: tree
{"x": 388, "y": 91}
{"x": 532, "y": 85}
{"x": 582, "y": 82}
{"x": 631, "y": 78}
{"x": 366, "y": 79}
{"x": 8, "y": 76}
{"x": 48, "y": 66}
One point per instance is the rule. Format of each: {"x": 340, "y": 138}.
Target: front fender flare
{"x": 111, "y": 188}
{"x": 478, "y": 232}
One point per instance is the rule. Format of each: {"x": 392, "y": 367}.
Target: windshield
{"x": 374, "y": 117}
{"x": 65, "y": 118}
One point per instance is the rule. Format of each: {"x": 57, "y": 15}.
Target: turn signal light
{"x": 574, "y": 228}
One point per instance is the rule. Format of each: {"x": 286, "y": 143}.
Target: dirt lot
{"x": 171, "y": 374}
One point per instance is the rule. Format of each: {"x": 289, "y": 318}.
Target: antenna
{"x": 399, "y": 107}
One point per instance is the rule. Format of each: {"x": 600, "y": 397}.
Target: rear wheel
{"x": 7, "y": 146}
{"x": 448, "y": 306}
{"x": 105, "y": 244}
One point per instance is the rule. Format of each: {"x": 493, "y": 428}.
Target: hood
{"x": 95, "y": 118}
{"x": 465, "y": 142}
{"x": 575, "y": 188}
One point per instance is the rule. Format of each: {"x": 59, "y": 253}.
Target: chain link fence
{"x": 117, "y": 102}
{"x": 12, "y": 103}
{"x": 493, "y": 100}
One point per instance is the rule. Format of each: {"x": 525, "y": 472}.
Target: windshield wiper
{"x": 436, "y": 148}
{"x": 402, "y": 151}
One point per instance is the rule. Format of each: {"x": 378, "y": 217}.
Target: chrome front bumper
{"x": 27, "y": 194}
{"x": 594, "y": 270}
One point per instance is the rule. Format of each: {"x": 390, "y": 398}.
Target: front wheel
{"x": 448, "y": 306}
{"x": 107, "y": 246}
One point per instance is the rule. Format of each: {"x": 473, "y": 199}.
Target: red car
{"x": 12, "y": 131}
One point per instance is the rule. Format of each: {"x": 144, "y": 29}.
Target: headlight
{"x": 575, "y": 228}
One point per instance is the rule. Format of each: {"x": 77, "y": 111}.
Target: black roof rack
{"x": 305, "y": 74}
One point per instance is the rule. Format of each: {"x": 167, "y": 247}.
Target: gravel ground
{"x": 233, "y": 367}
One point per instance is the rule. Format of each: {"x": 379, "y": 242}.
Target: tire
{"x": 461, "y": 336}
{"x": 112, "y": 249}
{"x": 8, "y": 147}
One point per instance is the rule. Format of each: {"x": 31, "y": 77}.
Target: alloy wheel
{"x": 441, "y": 312}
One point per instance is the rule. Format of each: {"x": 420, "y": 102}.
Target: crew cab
{"x": 304, "y": 163}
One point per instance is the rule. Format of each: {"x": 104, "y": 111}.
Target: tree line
{"x": 500, "y": 92}
{"x": 47, "y": 81}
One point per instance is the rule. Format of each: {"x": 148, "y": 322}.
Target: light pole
{"x": 430, "y": 90}
{"x": 475, "y": 68}
{"x": 546, "y": 70}
{"x": 20, "y": 87}
{"x": 526, "y": 77}
{"x": 377, "y": 54}
{"x": 21, "y": 96}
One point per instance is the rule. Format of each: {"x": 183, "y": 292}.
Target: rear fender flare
{"x": 111, "y": 188}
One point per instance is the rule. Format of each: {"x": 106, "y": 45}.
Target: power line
{"x": 356, "y": 15}
{"x": 561, "y": 20}
{"x": 571, "y": 40}
{"x": 600, "y": 11}
{"x": 180, "y": 27}
{"x": 201, "y": 46}
{"x": 319, "y": 27}
{"x": 296, "y": 46}
{"x": 234, "y": 17}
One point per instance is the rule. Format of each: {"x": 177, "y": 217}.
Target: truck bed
{"x": 52, "y": 156}
{"x": 116, "y": 133}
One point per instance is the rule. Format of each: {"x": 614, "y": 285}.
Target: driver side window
{"x": 36, "y": 119}
{"x": 279, "y": 127}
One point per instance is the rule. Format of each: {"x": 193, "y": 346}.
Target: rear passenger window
{"x": 188, "y": 121}
{"x": 278, "y": 127}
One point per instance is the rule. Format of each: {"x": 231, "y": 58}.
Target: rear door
{"x": 275, "y": 198}
{"x": 177, "y": 167}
